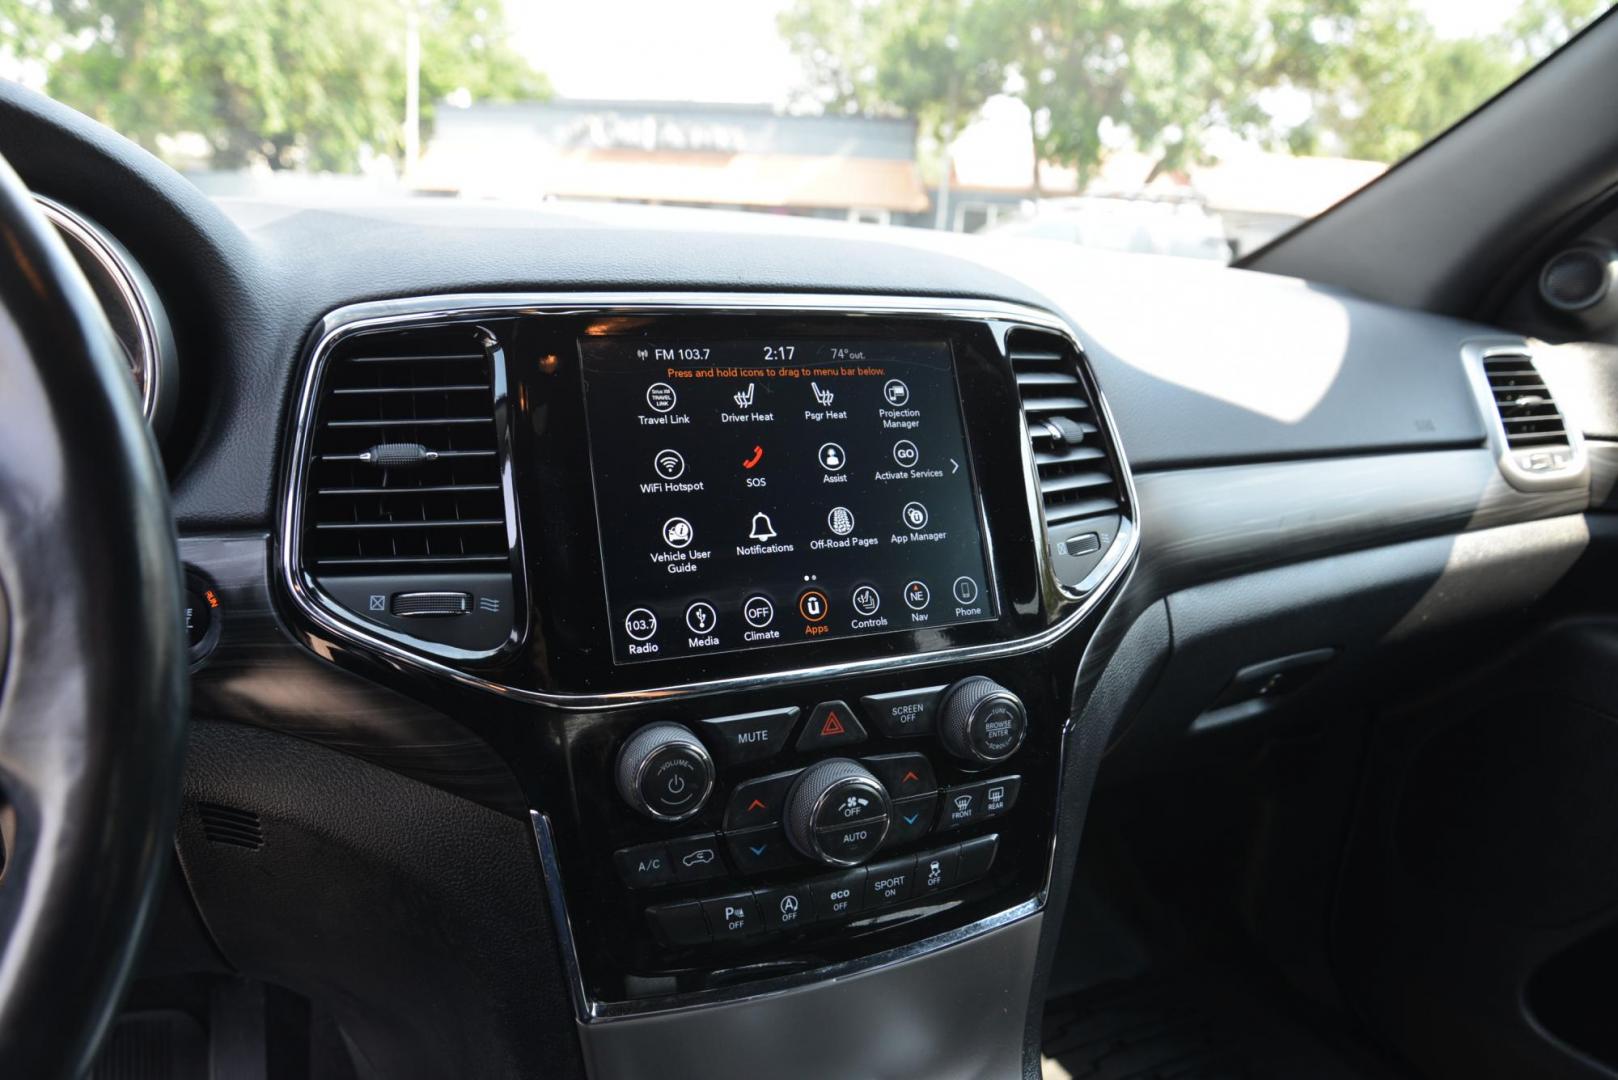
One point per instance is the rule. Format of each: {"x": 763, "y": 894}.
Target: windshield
{"x": 1195, "y": 128}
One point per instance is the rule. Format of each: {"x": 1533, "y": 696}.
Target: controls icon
{"x": 823, "y": 398}
{"x": 832, "y": 458}
{"x": 917, "y": 595}
{"x": 866, "y": 600}
{"x": 812, "y": 605}
{"x": 660, "y": 396}
{"x": 965, "y": 589}
{"x": 905, "y": 453}
{"x": 895, "y": 393}
{"x": 744, "y": 398}
{"x": 840, "y": 520}
{"x": 677, "y": 532}
{"x": 762, "y": 529}
{"x": 758, "y": 611}
{"x": 669, "y": 464}
{"x": 915, "y": 515}
{"x": 640, "y": 624}
{"x": 700, "y": 617}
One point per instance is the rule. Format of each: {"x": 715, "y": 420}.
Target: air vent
{"x": 1527, "y": 412}
{"x": 1076, "y": 477}
{"x": 404, "y": 473}
{"x": 228, "y": 825}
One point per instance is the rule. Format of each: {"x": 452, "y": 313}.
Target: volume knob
{"x": 665, "y": 772}
{"x": 980, "y": 721}
{"x": 837, "y": 812}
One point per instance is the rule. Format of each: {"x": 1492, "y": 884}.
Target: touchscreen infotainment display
{"x": 755, "y": 494}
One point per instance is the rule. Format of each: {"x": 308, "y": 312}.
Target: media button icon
{"x": 677, "y": 532}
{"x": 866, "y": 600}
{"x": 758, "y": 611}
{"x": 915, "y": 515}
{"x": 840, "y": 521}
{"x": 640, "y": 624}
{"x": 832, "y": 458}
{"x": 813, "y": 606}
{"x": 965, "y": 589}
{"x": 669, "y": 464}
{"x": 905, "y": 453}
{"x": 896, "y": 393}
{"x": 660, "y": 396}
{"x": 917, "y": 595}
{"x": 700, "y": 617}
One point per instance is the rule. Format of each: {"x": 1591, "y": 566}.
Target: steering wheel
{"x": 92, "y": 658}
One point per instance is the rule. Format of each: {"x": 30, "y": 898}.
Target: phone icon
{"x": 758, "y": 455}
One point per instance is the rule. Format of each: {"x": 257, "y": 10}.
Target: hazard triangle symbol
{"x": 832, "y": 726}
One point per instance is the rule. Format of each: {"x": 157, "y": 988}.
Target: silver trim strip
{"x": 126, "y": 277}
{"x": 596, "y": 1012}
{"x": 473, "y": 306}
{"x": 1473, "y": 353}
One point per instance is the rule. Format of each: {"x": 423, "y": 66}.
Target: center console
{"x": 774, "y": 604}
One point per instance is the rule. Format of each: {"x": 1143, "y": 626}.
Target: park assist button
{"x": 904, "y": 713}
{"x": 832, "y": 723}
{"x": 732, "y": 917}
{"x": 750, "y": 736}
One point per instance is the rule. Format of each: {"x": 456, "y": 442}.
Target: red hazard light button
{"x": 832, "y": 723}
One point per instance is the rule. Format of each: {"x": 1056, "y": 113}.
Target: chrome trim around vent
{"x": 421, "y": 311}
{"x": 1574, "y": 472}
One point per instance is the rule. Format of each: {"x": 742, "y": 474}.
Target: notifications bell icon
{"x": 762, "y": 529}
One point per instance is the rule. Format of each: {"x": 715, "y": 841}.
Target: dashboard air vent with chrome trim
{"x": 1535, "y": 445}
{"x": 1527, "y": 410}
{"x": 405, "y": 494}
{"x": 1078, "y": 481}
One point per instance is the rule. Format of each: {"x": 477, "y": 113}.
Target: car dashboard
{"x": 747, "y": 608}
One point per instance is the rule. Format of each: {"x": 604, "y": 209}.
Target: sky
{"x": 729, "y": 50}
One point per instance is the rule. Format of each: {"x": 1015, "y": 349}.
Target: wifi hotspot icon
{"x": 670, "y": 464}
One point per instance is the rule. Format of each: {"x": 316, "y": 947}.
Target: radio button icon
{"x": 640, "y": 624}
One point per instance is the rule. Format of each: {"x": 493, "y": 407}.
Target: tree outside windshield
{"x": 1185, "y": 127}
